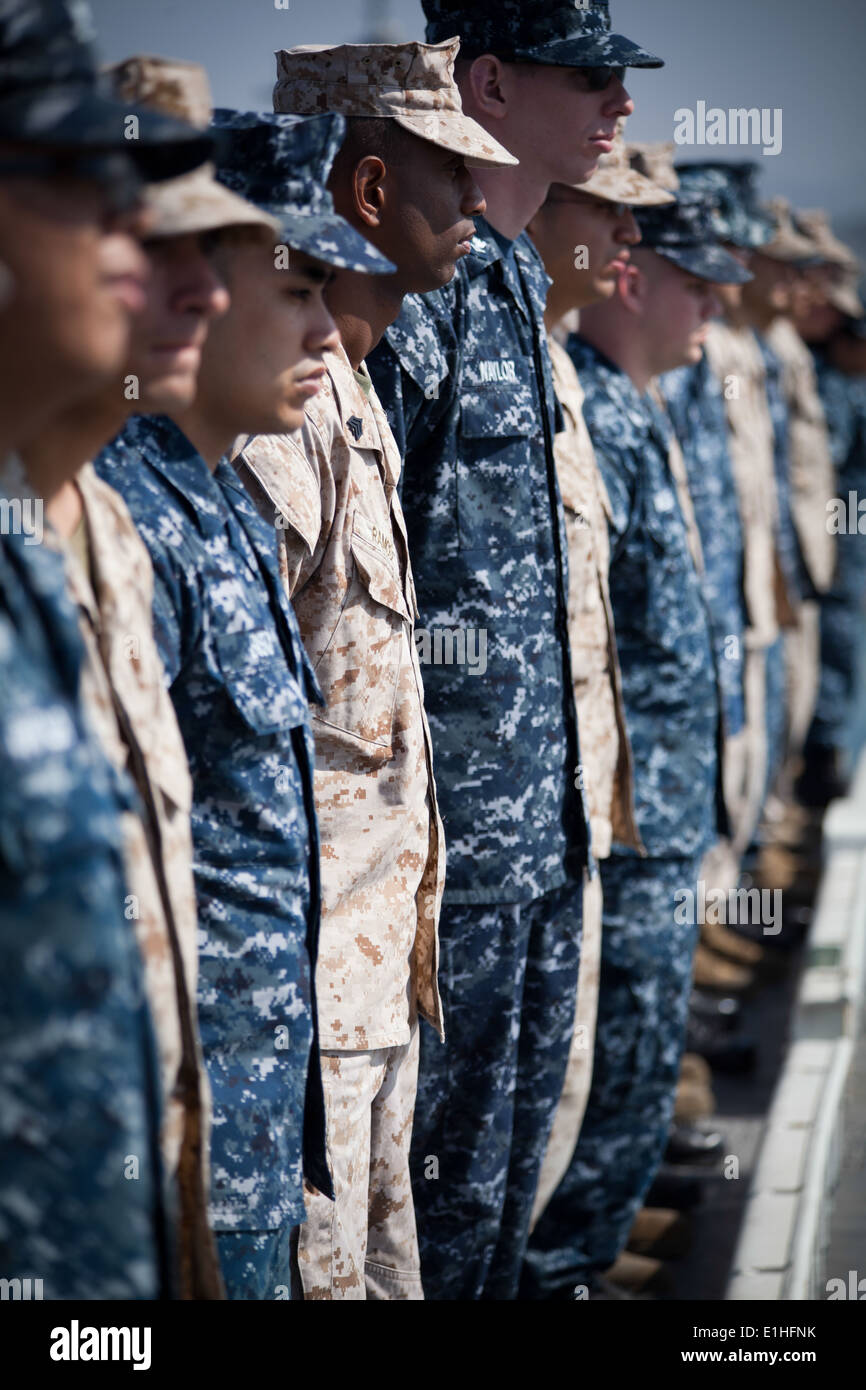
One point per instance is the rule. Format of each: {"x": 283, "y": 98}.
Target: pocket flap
{"x": 258, "y": 680}
{"x": 375, "y": 556}
{"x": 499, "y": 399}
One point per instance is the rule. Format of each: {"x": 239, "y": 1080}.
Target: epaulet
{"x": 417, "y": 335}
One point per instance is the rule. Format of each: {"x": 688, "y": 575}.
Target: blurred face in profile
{"x": 264, "y": 359}
{"x": 184, "y": 296}
{"x": 772, "y": 289}
{"x": 78, "y": 277}
{"x": 676, "y": 309}
{"x": 584, "y": 242}
{"x": 731, "y": 296}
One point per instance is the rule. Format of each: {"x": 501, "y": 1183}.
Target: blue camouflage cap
{"x": 737, "y": 216}
{"x": 282, "y": 163}
{"x": 51, "y": 96}
{"x": 561, "y": 33}
{"x": 684, "y": 233}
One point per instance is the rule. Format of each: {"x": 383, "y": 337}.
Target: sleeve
{"x": 618, "y": 475}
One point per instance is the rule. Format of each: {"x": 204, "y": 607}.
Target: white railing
{"x": 780, "y": 1254}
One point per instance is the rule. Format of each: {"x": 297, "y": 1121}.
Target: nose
{"x": 628, "y": 232}
{"x": 323, "y": 334}
{"x": 473, "y": 203}
{"x": 199, "y": 288}
{"x": 123, "y": 251}
{"x": 617, "y": 101}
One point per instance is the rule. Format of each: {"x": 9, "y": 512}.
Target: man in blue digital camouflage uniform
{"x": 837, "y": 731}
{"x": 465, "y": 376}
{"x": 656, "y": 321}
{"x": 695, "y": 401}
{"x": 696, "y": 406}
{"x": 81, "y": 1212}
{"x": 828, "y": 315}
{"x": 240, "y": 681}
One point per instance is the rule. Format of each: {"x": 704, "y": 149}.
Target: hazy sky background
{"x": 806, "y": 59}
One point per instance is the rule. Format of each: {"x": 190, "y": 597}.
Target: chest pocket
{"x": 500, "y": 433}
{"x": 257, "y": 680}
{"x": 359, "y": 670}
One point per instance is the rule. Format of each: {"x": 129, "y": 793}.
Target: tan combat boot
{"x": 661, "y": 1233}
{"x": 638, "y": 1274}
{"x": 713, "y": 972}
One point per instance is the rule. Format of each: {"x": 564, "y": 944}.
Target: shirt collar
{"x": 594, "y": 366}
{"x": 168, "y": 451}
{"x": 534, "y": 281}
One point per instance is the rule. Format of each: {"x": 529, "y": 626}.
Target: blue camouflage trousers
{"x": 646, "y": 972}
{"x": 776, "y": 714}
{"x": 487, "y": 1096}
{"x": 843, "y": 635}
{"x": 260, "y": 1265}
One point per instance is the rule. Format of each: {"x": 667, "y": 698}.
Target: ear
{"x": 368, "y": 191}
{"x": 487, "y": 86}
{"x": 631, "y": 288}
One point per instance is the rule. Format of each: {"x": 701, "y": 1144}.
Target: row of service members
{"x": 223, "y": 627}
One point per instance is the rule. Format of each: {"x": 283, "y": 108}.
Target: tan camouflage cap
{"x": 655, "y": 161}
{"x": 815, "y": 224}
{"x": 787, "y": 245}
{"x": 196, "y": 202}
{"x": 843, "y": 292}
{"x": 617, "y": 182}
{"x": 411, "y": 82}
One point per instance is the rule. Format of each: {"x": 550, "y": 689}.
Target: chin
{"x": 436, "y": 278}
{"x": 167, "y": 394}
{"x": 291, "y": 420}
{"x": 582, "y": 169}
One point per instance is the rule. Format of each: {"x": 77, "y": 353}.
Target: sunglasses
{"x": 596, "y": 79}
{"x": 588, "y": 201}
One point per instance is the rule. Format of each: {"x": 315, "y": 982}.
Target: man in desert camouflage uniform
{"x": 656, "y": 320}
{"x": 81, "y": 1197}
{"x": 465, "y": 375}
{"x": 734, "y": 355}
{"x": 239, "y": 681}
{"x": 594, "y": 218}
{"x": 804, "y": 481}
{"x": 344, "y": 558}
{"x": 110, "y": 580}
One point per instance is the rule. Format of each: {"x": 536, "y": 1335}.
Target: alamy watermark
{"x": 77, "y": 1343}
{"x": 847, "y": 518}
{"x": 453, "y": 646}
{"x": 739, "y": 125}
{"x": 22, "y": 516}
{"x": 21, "y": 1290}
{"x": 731, "y": 907}
{"x": 853, "y": 1289}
